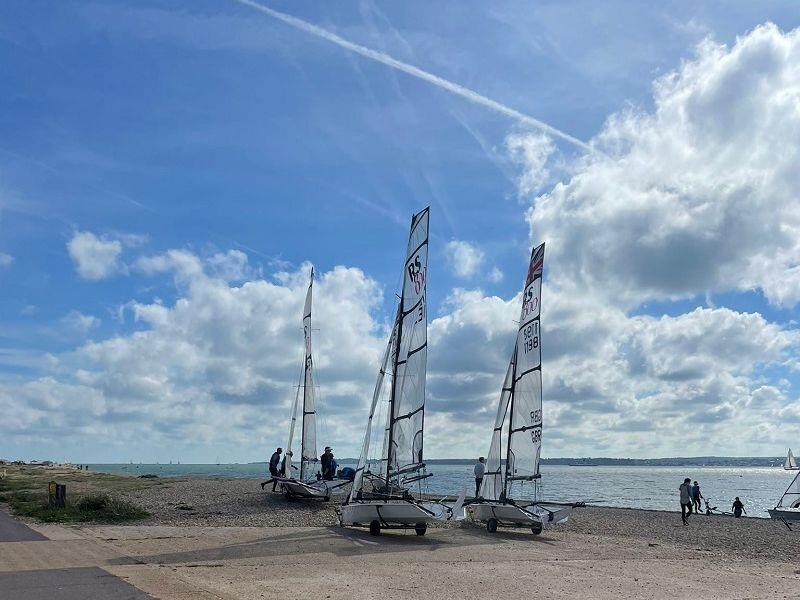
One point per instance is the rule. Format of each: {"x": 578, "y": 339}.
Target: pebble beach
{"x": 236, "y": 502}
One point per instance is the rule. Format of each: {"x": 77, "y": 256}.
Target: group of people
{"x": 691, "y": 497}
{"x": 277, "y": 467}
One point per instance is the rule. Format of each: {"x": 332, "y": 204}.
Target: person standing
{"x": 686, "y": 500}
{"x": 325, "y": 462}
{"x": 696, "y": 496}
{"x": 274, "y": 471}
{"x": 480, "y": 469}
{"x": 738, "y": 507}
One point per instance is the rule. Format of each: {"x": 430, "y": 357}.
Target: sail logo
{"x": 530, "y": 302}
{"x": 416, "y": 272}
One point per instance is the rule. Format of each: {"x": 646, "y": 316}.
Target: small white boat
{"x": 788, "y": 508}
{"x": 519, "y": 420}
{"x": 380, "y": 496}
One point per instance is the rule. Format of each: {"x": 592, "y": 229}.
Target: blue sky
{"x": 211, "y": 129}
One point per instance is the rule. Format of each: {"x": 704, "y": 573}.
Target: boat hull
{"x": 510, "y": 515}
{"x": 319, "y": 490}
{"x": 392, "y": 513}
{"x": 785, "y": 514}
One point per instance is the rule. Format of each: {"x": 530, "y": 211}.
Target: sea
{"x": 648, "y": 487}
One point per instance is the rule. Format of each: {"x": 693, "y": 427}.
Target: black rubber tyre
{"x": 420, "y": 528}
{"x": 536, "y": 528}
{"x": 375, "y": 528}
{"x": 326, "y": 499}
{"x": 491, "y": 525}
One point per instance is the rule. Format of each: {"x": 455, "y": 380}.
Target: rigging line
{"x": 452, "y": 87}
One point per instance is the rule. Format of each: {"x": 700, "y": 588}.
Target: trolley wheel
{"x": 326, "y": 499}
{"x": 536, "y": 528}
{"x": 375, "y": 528}
{"x": 420, "y": 528}
{"x": 491, "y": 525}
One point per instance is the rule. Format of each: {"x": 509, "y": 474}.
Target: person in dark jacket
{"x": 274, "y": 469}
{"x": 325, "y": 462}
{"x": 738, "y": 507}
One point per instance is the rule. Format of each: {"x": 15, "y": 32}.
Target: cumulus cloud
{"x": 699, "y": 194}
{"x": 94, "y": 257}
{"x": 531, "y": 152}
{"x": 218, "y": 366}
{"x": 464, "y": 258}
{"x": 5, "y": 260}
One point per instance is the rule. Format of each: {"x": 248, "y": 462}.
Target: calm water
{"x": 630, "y": 487}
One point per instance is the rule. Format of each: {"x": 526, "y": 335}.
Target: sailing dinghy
{"x": 788, "y": 508}
{"x": 380, "y": 497}
{"x": 307, "y": 484}
{"x": 519, "y": 420}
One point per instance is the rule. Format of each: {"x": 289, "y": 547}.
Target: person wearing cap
{"x": 325, "y": 463}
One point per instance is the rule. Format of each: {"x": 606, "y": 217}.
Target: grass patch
{"x": 25, "y": 490}
{"x": 100, "y": 508}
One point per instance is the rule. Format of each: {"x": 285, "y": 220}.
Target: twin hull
{"x": 393, "y": 512}
{"x": 509, "y": 514}
{"x": 315, "y": 489}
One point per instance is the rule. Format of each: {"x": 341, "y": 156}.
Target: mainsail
{"x": 520, "y": 411}
{"x": 405, "y": 360}
{"x": 790, "y": 462}
{"x": 308, "y": 441}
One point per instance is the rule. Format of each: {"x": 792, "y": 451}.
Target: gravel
{"x": 229, "y": 502}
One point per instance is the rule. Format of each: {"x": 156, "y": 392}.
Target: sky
{"x": 170, "y": 171}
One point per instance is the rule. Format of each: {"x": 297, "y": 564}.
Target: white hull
{"x": 393, "y": 512}
{"x": 511, "y": 515}
{"x": 313, "y": 489}
{"x": 785, "y": 514}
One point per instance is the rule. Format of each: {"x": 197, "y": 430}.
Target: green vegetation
{"x": 88, "y": 497}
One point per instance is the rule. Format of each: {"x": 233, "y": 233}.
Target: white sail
{"x": 404, "y": 361}
{"x": 364, "y": 464}
{"x": 790, "y": 462}
{"x": 525, "y": 412}
{"x": 407, "y": 415}
{"x": 791, "y": 497}
{"x": 309, "y": 440}
{"x": 287, "y": 455}
{"x": 492, "y": 485}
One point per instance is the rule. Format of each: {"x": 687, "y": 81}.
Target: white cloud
{"x": 495, "y": 275}
{"x": 94, "y": 257}
{"x": 464, "y": 258}
{"x": 701, "y": 194}
{"x": 77, "y": 321}
{"x": 5, "y": 260}
{"x": 531, "y": 151}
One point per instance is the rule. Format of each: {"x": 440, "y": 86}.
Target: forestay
{"x": 519, "y": 413}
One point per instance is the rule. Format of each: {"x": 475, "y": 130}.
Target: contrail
{"x": 458, "y": 90}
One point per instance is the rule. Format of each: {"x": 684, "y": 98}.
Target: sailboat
{"x": 788, "y": 508}
{"x": 519, "y": 420}
{"x": 306, "y": 484}
{"x": 380, "y": 497}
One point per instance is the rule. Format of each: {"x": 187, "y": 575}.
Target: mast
{"x": 308, "y": 448}
{"x": 511, "y": 393}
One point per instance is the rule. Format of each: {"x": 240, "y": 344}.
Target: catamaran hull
{"x": 509, "y": 515}
{"x": 316, "y": 490}
{"x": 785, "y": 514}
{"x": 392, "y": 513}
